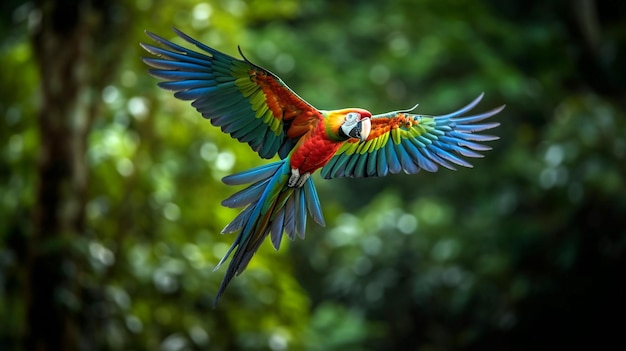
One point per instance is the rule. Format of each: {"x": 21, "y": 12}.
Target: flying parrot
{"x": 256, "y": 107}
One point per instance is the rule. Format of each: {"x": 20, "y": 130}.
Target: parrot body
{"x": 254, "y": 106}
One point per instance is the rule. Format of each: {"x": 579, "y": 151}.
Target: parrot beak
{"x": 356, "y": 125}
{"x": 358, "y": 130}
{"x": 366, "y": 128}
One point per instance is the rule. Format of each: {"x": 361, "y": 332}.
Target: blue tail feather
{"x": 313, "y": 202}
{"x": 277, "y": 229}
{"x": 246, "y": 196}
{"x": 300, "y": 213}
{"x": 239, "y": 221}
{"x": 272, "y": 209}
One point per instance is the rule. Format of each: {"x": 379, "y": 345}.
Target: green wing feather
{"x": 244, "y": 100}
{"x": 401, "y": 141}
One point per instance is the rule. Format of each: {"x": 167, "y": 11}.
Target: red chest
{"x": 314, "y": 152}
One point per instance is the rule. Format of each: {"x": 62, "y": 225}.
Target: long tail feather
{"x": 272, "y": 207}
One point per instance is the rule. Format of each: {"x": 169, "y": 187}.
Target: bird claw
{"x": 303, "y": 179}
{"x": 297, "y": 180}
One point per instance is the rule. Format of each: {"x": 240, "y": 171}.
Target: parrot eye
{"x": 352, "y": 116}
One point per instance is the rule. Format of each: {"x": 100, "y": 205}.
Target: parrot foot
{"x": 297, "y": 180}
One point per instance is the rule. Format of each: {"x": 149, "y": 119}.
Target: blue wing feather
{"x": 408, "y": 166}
{"x": 381, "y": 165}
{"x": 392, "y": 158}
{"x": 187, "y": 84}
{"x": 175, "y": 75}
{"x": 351, "y": 165}
{"x": 372, "y": 162}
{"x": 167, "y": 64}
{"x": 450, "y": 157}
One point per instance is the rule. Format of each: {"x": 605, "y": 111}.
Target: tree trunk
{"x": 67, "y": 44}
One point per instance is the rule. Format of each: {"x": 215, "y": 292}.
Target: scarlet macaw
{"x": 254, "y": 106}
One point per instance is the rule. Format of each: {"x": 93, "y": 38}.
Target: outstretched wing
{"x": 246, "y": 101}
{"x": 400, "y": 141}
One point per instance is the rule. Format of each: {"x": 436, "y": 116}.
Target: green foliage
{"x": 528, "y": 246}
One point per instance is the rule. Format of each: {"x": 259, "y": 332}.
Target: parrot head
{"x": 350, "y": 123}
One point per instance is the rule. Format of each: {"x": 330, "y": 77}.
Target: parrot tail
{"x": 271, "y": 207}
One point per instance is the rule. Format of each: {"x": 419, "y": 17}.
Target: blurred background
{"x": 110, "y": 188}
